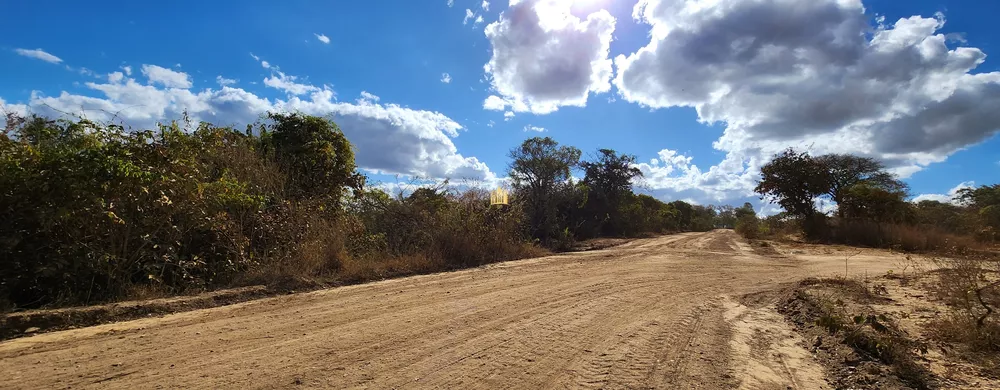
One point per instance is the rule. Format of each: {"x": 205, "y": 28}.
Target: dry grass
{"x": 908, "y": 238}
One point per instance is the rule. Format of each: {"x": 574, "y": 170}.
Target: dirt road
{"x": 653, "y": 313}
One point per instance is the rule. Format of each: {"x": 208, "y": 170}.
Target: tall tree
{"x": 868, "y": 202}
{"x": 540, "y": 175}
{"x": 793, "y": 180}
{"x": 745, "y": 210}
{"x": 608, "y": 178}
{"x": 844, "y": 171}
{"x": 985, "y": 200}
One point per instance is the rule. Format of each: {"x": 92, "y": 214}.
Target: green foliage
{"x": 842, "y": 172}
{"x": 540, "y": 175}
{"x": 793, "y": 180}
{"x": 315, "y": 155}
{"x": 608, "y": 179}
{"x": 91, "y": 210}
{"x": 864, "y": 201}
{"x": 747, "y": 224}
{"x": 871, "y": 205}
{"x": 985, "y": 201}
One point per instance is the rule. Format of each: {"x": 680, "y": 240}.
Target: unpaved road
{"x": 653, "y": 313}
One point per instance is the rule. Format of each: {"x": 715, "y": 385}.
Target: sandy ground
{"x": 664, "y": 312}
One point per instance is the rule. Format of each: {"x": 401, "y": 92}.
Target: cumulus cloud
{"x": 816, "y": 75}
{"x": 544, "y": 57}
{"x": 494, "y": 103}
{"x": 222, "y": 81}
{"x": 38, "y": 54}
{"x": 486, "y": 5}
{"x": 322, "y": 38}
{"x": 468, "y": 15}
{"x": 534, "y": 128}
{"x": 445, "y": 78}
{"x": 166, "y": 77}
{"x": 389, "y": 138}
{"x": 368, "y": 96}
{"x": 115, "y": 77}
{"x": 287, "y": 83}
{"x": 128, "y": 70}
{"x": 946, "y": 198}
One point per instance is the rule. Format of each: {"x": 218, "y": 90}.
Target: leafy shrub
{"x": 91, "y": 210}
{"x": 748, "y": 226}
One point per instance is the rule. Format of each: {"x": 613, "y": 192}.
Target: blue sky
{"x": 708, "y": 88}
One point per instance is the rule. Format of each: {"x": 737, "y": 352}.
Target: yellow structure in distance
{"x": 499, "y": 196}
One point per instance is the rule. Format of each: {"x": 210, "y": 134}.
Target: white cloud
{"x": 468, "y": 15}
{"x": 166, "y": 77}
{"x": 367, "y": 96}
{"x": 128, "y": 70}
{"x": 534, "y": 128}
{"x": 445, "y": 78}
{"x": 494, "y": 103}
{"x": 265, "y": 64}
{"x": 814, "y": 75}
{"x": 287, "y": 83}
{"x": 491, "y": 123}
{"x": 38, "y": 54}
{"x": 946, "y": 198}
{"x": 508, "y": 116}
{"x": 255, "y": 58}
{"x": 486, "y": 5}
{"x": 389, "y": 138}
{"x": 222, "y": 81}
{"x": 479, "y": 20}
{"x": 544, "y": 57}
{"x": 322, "y": 38}
{"x": 451, "y": 3}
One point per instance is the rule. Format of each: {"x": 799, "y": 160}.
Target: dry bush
{"x": 841, "y": 307}
{"x": 908, "y": 238}
{"x": 971, "y": 287}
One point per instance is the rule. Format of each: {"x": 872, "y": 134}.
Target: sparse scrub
{"x": 840, "y": 307}
{"x": 971, "y": 287}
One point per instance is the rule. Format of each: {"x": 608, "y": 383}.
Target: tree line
{"x": 871, "y": 205}
{"x": 96, "y": 212}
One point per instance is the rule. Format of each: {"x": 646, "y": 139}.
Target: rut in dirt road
{"x": 648, "y": 314}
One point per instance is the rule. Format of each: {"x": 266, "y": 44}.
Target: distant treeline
{"x": 871, "y": 206}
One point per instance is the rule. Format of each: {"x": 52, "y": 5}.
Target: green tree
{"x": 609, "y": 183}
{"x": 867, "y": 202}
{"x": 540, "y": 175}
{"x": 844, "y": 171}
{"x": 685, "y": 214}
{"x": 725, "y": 216}
{"x": 318, "y": 159}
{"x": 793, "y": 180}
{"x": 985, "y": 202}
{"x": 745, "y": 210}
